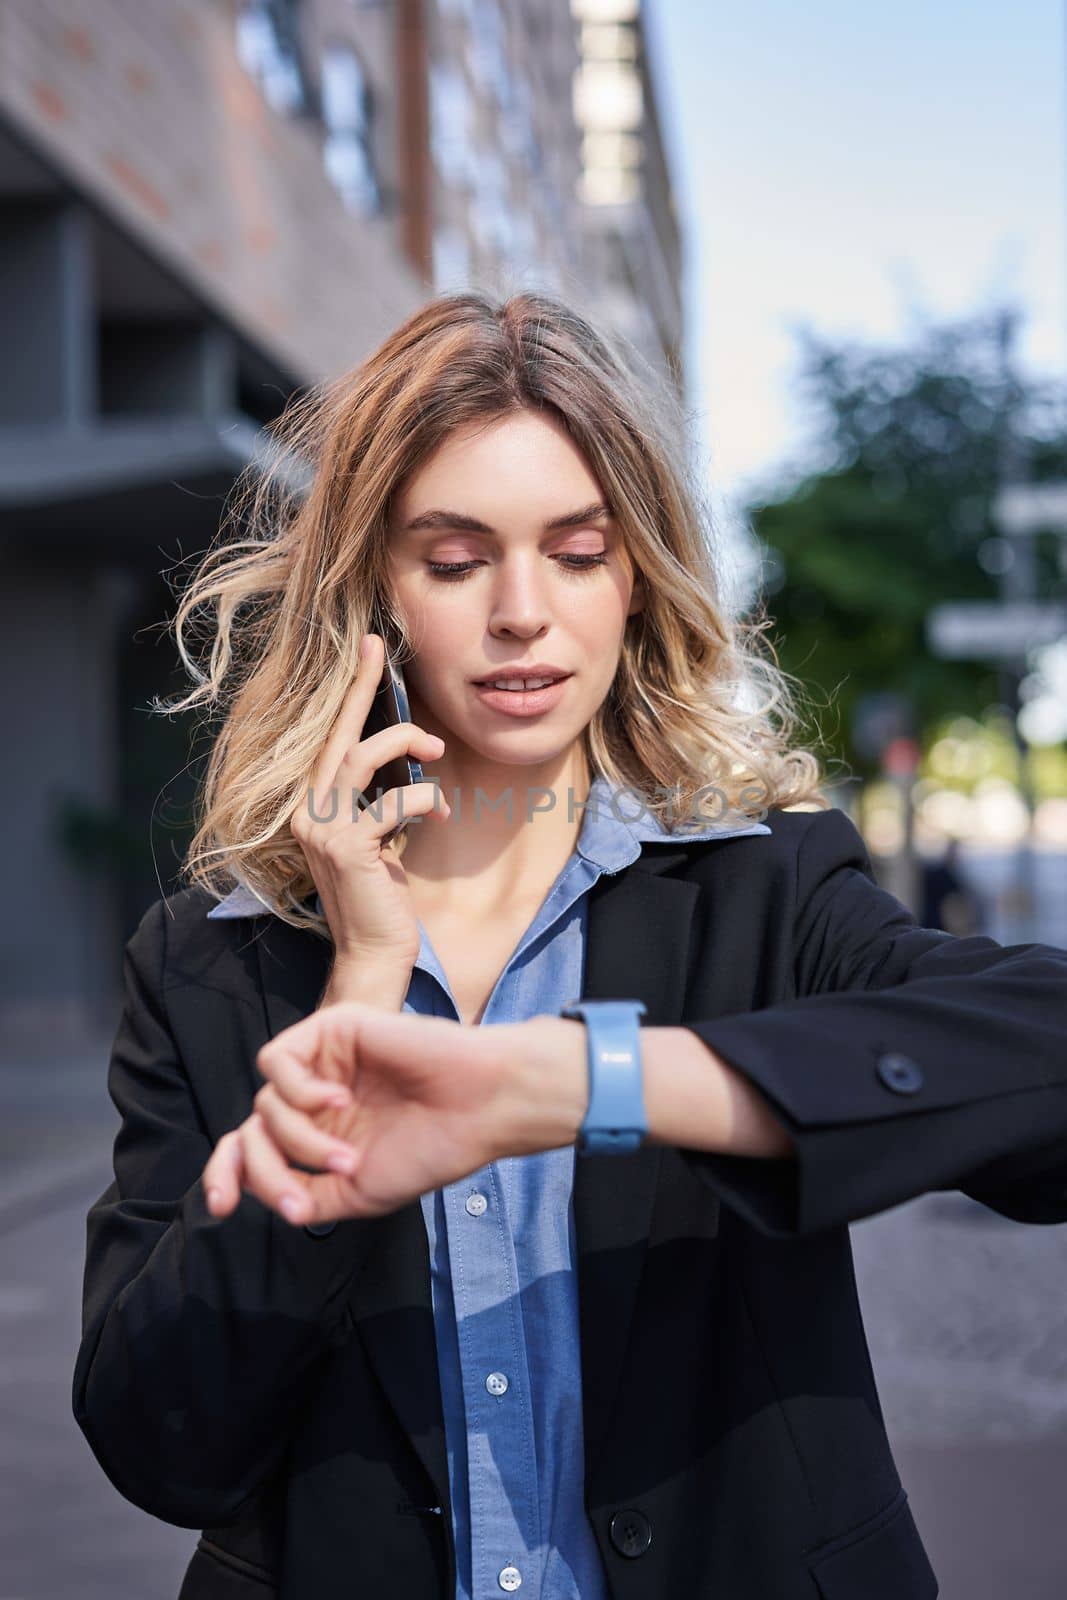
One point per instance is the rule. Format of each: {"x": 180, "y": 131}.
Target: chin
{"x": 519, "y": 747}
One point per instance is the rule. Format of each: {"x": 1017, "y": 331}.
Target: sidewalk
{"x": 63, "y": 1528}
{"x": 57, "y": 1126}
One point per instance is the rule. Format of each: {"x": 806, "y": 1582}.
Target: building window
{"x": 268, "y": 47}
{"x": 605, "y": 11}
{"x": 487, "y": 52}
{"x": 451, "y": 124}
{"x": 491, "y": 210}
{"x": 517, "y": 130}
{"x": 451, "y": 259}
{"x": 346, "y": 117}
{"x": 608, "y": 102}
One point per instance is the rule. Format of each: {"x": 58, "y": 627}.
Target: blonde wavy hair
{"x": 278, "y": 605}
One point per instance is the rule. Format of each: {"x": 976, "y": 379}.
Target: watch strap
{"x": 615, "y": 1122}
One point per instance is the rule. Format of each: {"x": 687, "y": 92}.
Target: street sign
{"x": 1031, "y": 508}
{"x": 987, "y": 630}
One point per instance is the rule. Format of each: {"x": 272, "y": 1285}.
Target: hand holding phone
{"x": 388, "y": 709}
{"x": 364, "y": 891}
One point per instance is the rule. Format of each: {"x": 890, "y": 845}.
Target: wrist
{"x": 377, "y": 984}
{"x": 545, "y": 1074}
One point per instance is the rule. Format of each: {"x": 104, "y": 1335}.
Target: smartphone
{"x": 390, "y": 706}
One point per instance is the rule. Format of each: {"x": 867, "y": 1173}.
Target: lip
{"x": 522, "y": 702}
{"x": 536, "y": 669}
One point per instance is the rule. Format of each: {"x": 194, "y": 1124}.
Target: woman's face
{"x": 528, "y": 592}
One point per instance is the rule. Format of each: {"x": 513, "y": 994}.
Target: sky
{"x": 851, "y": 166}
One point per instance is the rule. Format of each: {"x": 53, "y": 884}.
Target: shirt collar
{"x": 615, "y": 824}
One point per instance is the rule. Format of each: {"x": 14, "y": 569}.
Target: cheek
{"x": 447, "y": 634}
{"x": 434, "y": 626}
{"x": 598, "y": 617}
{"x": 443, "y": 638}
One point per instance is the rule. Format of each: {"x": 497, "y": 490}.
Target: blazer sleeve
{"x": 910, "y": 1060}
{"x": 201, "y": 1336}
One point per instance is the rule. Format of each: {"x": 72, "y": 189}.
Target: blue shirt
{"x": 503, "y": 1264}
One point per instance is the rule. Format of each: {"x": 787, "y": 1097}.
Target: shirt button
{"x": 509, "y": 1578}
{"x": 476, "y": 1204}
{"x": 497, "y": 1383}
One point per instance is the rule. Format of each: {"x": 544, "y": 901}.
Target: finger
{"x": 348, "y": 726}
{"x": 381, "y": 814}
{"x": 222, "y": 1175}
{"x": 367, "y": 756}
{"x": 269, "y": 1176}
{"x": 298, "y": 1138}
{"x": 321, "y": 1045}
{"x": 298, "y": 1197}
{"x": 296, "y": 1081}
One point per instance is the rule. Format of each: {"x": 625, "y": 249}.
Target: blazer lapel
{"x": 293, "y": 968}
{"x": 638, "y": 933}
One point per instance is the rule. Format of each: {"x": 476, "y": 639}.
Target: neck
{"x": 507, "y": 838}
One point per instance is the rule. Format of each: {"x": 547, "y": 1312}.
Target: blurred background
{"x": 840, "y": 231}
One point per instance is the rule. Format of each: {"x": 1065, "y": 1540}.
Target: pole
{"x": 1018, "y": 581}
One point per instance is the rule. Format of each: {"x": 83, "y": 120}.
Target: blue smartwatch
{"x": 615, "y": 1121}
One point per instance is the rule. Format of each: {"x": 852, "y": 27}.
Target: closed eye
{"x": 454, "y": 571}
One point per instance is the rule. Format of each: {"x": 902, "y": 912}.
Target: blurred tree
{"x": 897, "y": 517}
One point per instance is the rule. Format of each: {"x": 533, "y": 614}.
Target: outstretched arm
{"x": 431, "y": 1100}
{"x": 910, "y": 1060}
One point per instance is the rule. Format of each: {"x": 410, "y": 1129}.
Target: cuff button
{"x": 319, "y": 1229}
{"x": 900, "y": 1073}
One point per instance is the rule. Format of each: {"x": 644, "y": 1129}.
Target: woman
{"x": 388, "y": 1301}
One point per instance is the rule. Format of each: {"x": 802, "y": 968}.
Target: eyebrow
{"x": 459, "y": 519}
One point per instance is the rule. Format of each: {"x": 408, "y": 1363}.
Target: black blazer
{"x": 276, "y": 1386}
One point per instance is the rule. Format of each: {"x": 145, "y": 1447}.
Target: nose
{"x": 519, "y": 603}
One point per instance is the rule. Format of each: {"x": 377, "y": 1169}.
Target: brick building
{"x": 204, "y": 206}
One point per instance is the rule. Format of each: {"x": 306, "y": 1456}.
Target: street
{"x": 994, "y": 876}
{"x": 966, "y": 1318}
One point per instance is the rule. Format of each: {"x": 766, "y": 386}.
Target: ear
{"x": 637, "y": 598}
